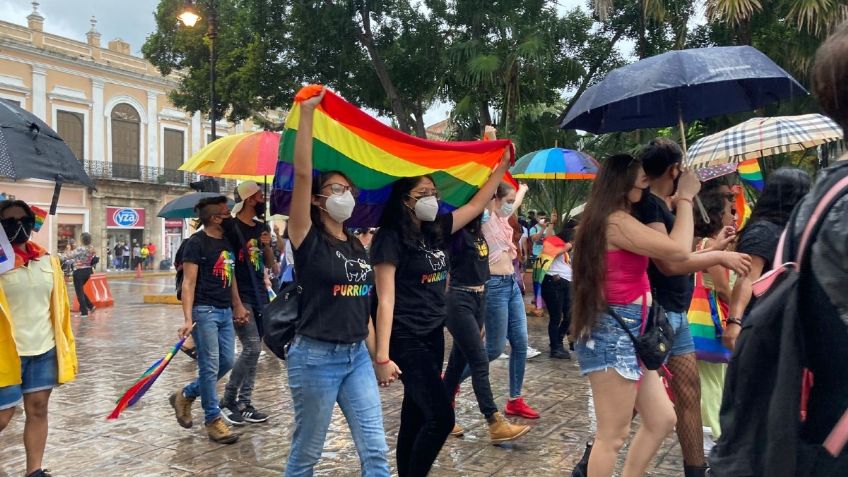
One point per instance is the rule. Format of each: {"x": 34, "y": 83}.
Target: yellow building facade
{"x": 113, "y": 111}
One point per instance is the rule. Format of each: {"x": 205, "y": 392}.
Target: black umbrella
{"x": 183, "y": 207}
{"x": 679, "y": 86}
{"x": 29, "y": 149}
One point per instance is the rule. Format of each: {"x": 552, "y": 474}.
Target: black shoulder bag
{"x": 281, "y": 317}
{"x": 654, "y": 344}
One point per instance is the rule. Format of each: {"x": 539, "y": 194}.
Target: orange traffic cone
{"x": 138, "y": 271}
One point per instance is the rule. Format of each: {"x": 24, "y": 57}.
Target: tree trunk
{"x": 485, "y": 117}
{"x": 744, "y": 35}
{"x": 367, "y": 38}
{"x": 418, "y": 116}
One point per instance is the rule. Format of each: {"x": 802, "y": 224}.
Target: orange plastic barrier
{"x": 98, "y": 291}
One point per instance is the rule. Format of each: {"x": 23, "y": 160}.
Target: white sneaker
{"x": 532, "y": 352}
{"x": 503, "y": 356}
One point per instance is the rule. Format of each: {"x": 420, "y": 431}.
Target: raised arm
{"x": 625, "y": 232}
{"x": 519, "y": 197}
{"x": 299, "y": 218}
{"x": 481, "y": 199}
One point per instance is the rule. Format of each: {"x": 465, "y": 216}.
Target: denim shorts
{"x": 683, "y": 342}
{"x": 609, "y": 346}
{"x": 37, "y": 374}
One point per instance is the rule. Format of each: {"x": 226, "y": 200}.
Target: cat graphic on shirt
{"x": 356, "y": 270}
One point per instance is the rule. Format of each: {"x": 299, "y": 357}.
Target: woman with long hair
{"x": 330, "y": 359}
{"x": 784, "y": 188}
{"x": 611, "y": 253}
{"x": 38, "y": 351}
{"x": 82, "y": 257}
{"x": 411, "y": 271}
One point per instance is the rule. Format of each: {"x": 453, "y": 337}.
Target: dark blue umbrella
{"x": 681, "y": 86}
{"x": 183, "y": 207}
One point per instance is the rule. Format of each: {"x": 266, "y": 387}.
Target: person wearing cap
{"x": 250, "y": 237}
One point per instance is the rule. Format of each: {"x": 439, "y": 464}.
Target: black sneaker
{"x": 232, "y": 414}
{"x": 560, "y": 353}
{"x": 252, "y": 415}
{"x": 40, "y": 473}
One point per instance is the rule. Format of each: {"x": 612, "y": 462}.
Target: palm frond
{"x": 817, "y": 16}
{"x": 732, "y": 11}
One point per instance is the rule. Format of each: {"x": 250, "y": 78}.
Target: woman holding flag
{"x": 330, "y": 357}
{"x": 38, "y": 351}
{"x": 411, "y": 277}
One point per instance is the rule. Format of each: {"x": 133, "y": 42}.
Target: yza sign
{"x": 124, "y": 218}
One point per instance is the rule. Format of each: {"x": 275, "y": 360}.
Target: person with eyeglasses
{"x": 330, "y": 359}
{"x": 411, "y": 270}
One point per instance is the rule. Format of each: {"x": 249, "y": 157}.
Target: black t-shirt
{"x": 469, "y": 259}
{"x": 250, "y": 259}
{"x": 760, "y": 238}
{"x": 215, "y": 264}
{"x": 420, "y": 279}
{"x": 674, "y": 293}
{"x": 337, "y": 283}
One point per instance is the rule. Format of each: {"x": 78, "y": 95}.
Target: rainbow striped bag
{"x": 706, "y": 323}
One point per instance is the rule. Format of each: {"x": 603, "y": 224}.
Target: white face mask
{"x": 340, "y": 207}
{"x": 507, "y": 209}
{"x": 426, "y": 208}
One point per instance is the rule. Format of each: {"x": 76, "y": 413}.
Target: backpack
{"x": 178, "y": 264}
{"x": 766, "y": 384}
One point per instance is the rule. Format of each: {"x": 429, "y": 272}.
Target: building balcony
{"x": 99, "y": 170}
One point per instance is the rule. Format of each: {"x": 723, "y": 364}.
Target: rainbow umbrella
{"x": 555, "y": 163}
{"x": 137, "y": 390}
{"x": 245, "y": 156}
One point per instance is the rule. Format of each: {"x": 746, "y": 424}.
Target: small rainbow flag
{"x": 749, "y": 171}
{"x": 552, "y": 247}
{"x": 137, "y": 390}
{"x": 40, "y": 216}
{"x": 374, "y": 155}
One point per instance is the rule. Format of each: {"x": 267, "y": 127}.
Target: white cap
{"x": 244, "y": 190}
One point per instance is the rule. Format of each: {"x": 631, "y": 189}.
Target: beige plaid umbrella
{"x": 761, "y": 137}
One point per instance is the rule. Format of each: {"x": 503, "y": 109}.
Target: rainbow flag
{"x": 552, "y": 247}
{"x": 40, "y": 216}
{"x": 137, "y": 390}
{"x": 374, "y": 155}
{"x": 749, "y": 171}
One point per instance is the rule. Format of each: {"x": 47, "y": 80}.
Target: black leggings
{"x": 426, "y": 416}
{"x": 557, "y": 296}
{"x": 81, "y": 276}
{"x": 466, "y": 316}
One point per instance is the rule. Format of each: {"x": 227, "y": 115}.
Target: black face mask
{"x": 260, "y": 209}
{"x": 18, "y": 231}
{"x": 676, "y": 183}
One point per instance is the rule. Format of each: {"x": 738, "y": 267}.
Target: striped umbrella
{"x": 761, "y": 137}
{"x": 245, "y": 156}
{"x": 555, "y": 163}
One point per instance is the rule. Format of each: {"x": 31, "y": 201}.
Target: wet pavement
{"x": 115, "y": 345}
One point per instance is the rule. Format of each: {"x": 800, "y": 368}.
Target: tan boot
{"x": 457, "y": 431}
{"x": 500, "y": 430}
{"x": 182, "y": 408}
{"x": 219, "y": 432}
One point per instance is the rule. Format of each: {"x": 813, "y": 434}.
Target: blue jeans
{"x": 215, "y": 343}
{"x": 506, "y": 319}
{"x": 320, "y": 375}
{"x": 683, "y": 342}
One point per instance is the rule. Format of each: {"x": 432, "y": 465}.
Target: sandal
{"x": 191, "y": 352}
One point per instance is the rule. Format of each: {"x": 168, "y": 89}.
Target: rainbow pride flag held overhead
{"x": 137, "y": 390}
{"x": 374, "y": 155}
{"x": 749, "y": 171}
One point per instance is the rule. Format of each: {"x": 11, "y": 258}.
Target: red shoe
{"x": 517, "y": 407}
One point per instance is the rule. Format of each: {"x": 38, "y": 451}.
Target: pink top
{"x": 627, "y": 277}
{"x": 498, "y": 235}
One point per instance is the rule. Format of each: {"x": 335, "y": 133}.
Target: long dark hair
{"x": 315, "y": 212}
{"x": 785, "y": 187}
{"x": 616, "y": 178}
{"x": 397, "y": 217}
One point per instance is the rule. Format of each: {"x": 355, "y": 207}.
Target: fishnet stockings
{"x": 686, "y": 386}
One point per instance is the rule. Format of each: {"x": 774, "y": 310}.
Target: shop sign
{"x": 124, "y": 218}
{"x": 173, "y": 224}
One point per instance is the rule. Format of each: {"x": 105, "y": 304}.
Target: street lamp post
{"x": 189, "y": 17}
